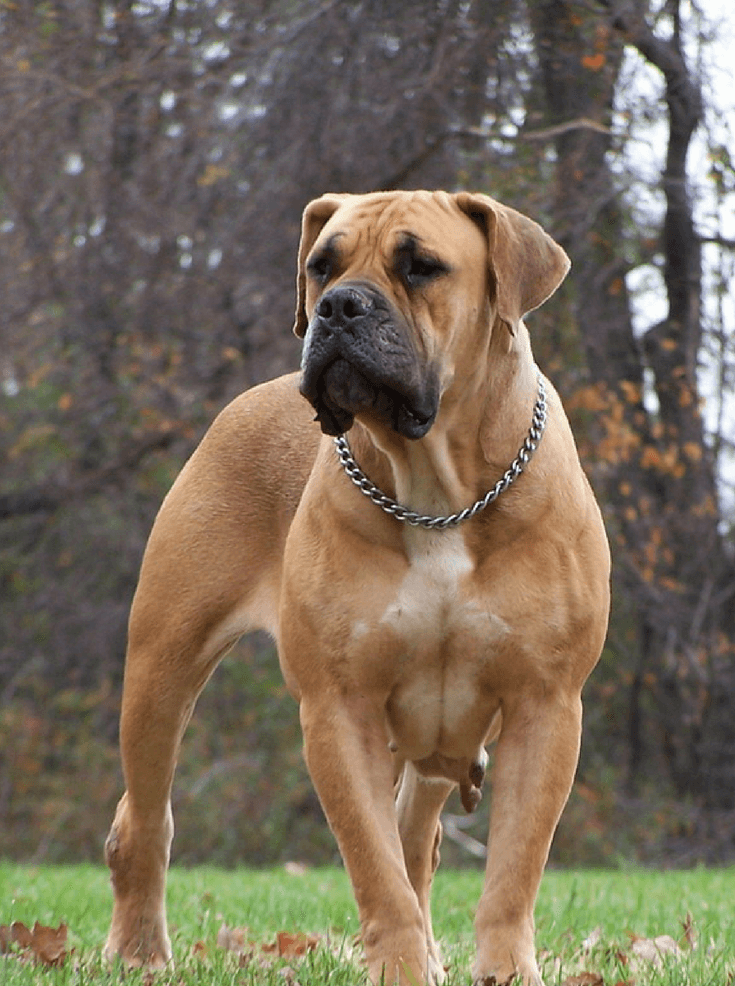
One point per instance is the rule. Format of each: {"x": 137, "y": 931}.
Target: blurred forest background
{"x": 155, "y": 156}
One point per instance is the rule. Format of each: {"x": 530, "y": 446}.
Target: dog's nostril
{"x": 324, "y": 308}
{"x": 352, "y": 310}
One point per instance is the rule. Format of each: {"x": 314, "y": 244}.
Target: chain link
{"x": 397, "y": 510}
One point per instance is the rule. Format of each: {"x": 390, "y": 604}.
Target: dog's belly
{"x": 440, "y": 702}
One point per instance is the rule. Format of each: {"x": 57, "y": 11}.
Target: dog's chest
{"x": 445, "y": 636}
{"x": 433, "y": 599}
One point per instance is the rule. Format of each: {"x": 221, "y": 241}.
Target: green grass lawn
{"x": 587, "y": 922}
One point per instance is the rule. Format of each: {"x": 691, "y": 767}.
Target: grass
{"x": 605, "y": 910}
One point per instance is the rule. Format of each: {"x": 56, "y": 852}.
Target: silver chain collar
{"x": 397, "y": 510}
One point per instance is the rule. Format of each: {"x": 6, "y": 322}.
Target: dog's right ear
{"x": 316, "y": 215}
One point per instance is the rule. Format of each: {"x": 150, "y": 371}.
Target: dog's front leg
{"x": 535, "y": 762}
{"x": 346, "y": 750}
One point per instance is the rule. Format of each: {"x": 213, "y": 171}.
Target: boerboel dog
{"x": 436, "y": 576}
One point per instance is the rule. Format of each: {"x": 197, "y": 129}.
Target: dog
{"x": 428, "y": 555}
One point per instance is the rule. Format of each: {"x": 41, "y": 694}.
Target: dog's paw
{"x": 515, "y": 979}
{"x": 138, "y": 942}
{"x": 508, "y": 973}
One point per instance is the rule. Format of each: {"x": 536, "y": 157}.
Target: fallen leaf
{"x": 690, "y": 932}
{"x": 584, "y": 979}
{"x": 652, "y": 950}
{"x": 232, "y": 939}
{"x": 49, "y": 944}
{"x": 293, "y": 945}
{"x": 41, "y": 943}
{"x": 20, "y": 934}
{"x": 286, "y": 944}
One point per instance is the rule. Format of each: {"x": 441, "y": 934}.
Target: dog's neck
{"x": 477, "y": 433}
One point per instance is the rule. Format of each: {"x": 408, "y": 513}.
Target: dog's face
{"x": 377, "y": 279}
{"x": 393, "y": 291}
{"x": 360, "y": 355}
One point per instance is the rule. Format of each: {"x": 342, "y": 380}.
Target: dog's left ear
{"x": 526, "y": 265}
{"x": 316, "y": 215}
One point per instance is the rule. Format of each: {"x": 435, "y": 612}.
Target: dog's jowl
{"x": 408, "y": 517}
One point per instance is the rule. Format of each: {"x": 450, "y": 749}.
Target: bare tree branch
{"x": 48, "y": 497}
{"x": 549, "y": 133}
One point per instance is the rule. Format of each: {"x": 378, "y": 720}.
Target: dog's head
{"x": 391, "y": 283}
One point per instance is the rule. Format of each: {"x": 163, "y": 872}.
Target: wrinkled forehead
{"x": 387, "y": 221}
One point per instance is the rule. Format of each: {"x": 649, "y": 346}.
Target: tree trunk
{"x": 657, "y": 471}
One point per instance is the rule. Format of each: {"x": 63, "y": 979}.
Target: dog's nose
{"x": 342, "y": 307}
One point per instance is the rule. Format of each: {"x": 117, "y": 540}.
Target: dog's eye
{"x": 417, "y": 271}
{"x": 320, "y": 267}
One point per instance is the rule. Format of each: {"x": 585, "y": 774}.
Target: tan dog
{"x": 407, "y": 647}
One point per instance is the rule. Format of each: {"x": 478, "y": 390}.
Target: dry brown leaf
{"x": 286, "y": 944}
{"x": 20, "y": 934}
{"x": 584, "y": 979}
{"x": 199, "y": 950}
{"x": 690, "y": 932}
{"x": 619, "y": 955}
{"x": 236, "y": 940}
{"x": 49, "y": 944}
{"x": 290, "y": 945}
{"x": 232, "y": 939}
{"x": 652, "y": 950}
{"x": 41, "y": 943}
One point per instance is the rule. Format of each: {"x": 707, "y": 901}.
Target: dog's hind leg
{"x": 419, "y": 802}
{"x": 161, "y": 688}
{"x": 155, "y": 712}
{"x": 200, "y": 588}
{"x": 211, "y": 572}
